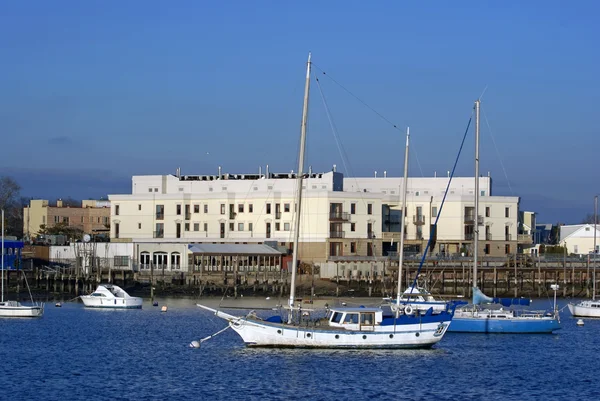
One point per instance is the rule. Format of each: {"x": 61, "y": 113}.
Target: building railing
{"x": 469, "y": 236}
{"x": 419, "y": 220}
{"x": 370, "y": 234}
{"x": 159, "y": 234}
{"x": 507, "y": 237}
{"x": 277, "y": 215}
{"x": 488, "y": 236}
{"x": 339, "y": 216}
{"x": 336, "y": 234}
{"x": 160, "y": 216}
{"x": 188, "y": 216}
{"x": 525, "y": 238}
{"x": 232, "y": 215}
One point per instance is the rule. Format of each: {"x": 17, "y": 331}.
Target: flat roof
{"x": 234, "y": 249}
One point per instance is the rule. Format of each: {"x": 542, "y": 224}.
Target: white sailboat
{"x": 14, "y": 308}
{"x": 475, "y": 319}
{"x": 589, "y": 308}
{"x": 414, "y": 298}
{"x": 343, "y": 327}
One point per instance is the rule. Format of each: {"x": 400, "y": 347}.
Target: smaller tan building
{"x": 92, "y": 217}
{"x": 579, "y": 238}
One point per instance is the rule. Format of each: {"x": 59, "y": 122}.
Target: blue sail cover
{"x": 480, "y": 298}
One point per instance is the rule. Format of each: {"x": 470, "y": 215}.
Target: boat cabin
{"x": 355, "y": 318}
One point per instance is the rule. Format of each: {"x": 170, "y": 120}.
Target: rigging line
{"x": 497, "y": 152}
{"x": 442, "y": 204}
{"x": 340, "y": 146}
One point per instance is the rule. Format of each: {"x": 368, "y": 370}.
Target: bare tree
{"x": 10, "y": 202}
{"x": 589, "y": 219}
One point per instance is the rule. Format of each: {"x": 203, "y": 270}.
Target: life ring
{"x": 408, "y": 310}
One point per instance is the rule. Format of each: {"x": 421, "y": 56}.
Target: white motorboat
{"x": 587, "y": 308}
{"x": 343, "y": 327}
{"x": 111, "y": 296}
{"x": 14, "y": 308}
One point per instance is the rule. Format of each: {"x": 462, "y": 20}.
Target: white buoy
{"x": 268, "y": 298}
{"x": 580, "y": 322}
{"x": 195, "y": 344}
{"x": 164, "y": 308}
{"x": 58, "y": 305}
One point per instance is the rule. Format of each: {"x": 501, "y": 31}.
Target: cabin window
{"x": 367, "y": 318}
{"x": 337, "y": 317}
{"x": 351, "y": 318}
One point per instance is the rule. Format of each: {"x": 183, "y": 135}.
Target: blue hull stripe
{"x": 507, "y": 326}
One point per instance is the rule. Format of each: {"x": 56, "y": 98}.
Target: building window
{"x": 82, "y": 219}
{"x": 335, "y": 249}
{"x": 486, "y": 250}
{"x": 196, "y": 226}
{"x": 117, "y": 227}
{"x": 57, "y": 219}
{"x": 155, "y": 189}
{"x": 121, "y": 261}
{"x": 277, "y": 226}
{"x": 506, "y": 212}
{"x": 222, "y": 230}
{"x": 370, "y": 208}
{"x": 488, "y": 211}
{"x": 175, "y": 260}
{"x": 369, "y": 249}
{"x": 575, "y": 249}
{"x": 353, "y": 208}
{"x": 178, "y": 210}
{"x": 187, "y": 227}
{"x": 286, "y": 226}
{"x": 268, "y": 208}
{"x": 205, "y": 208}
{"x": 66, "y": 220}
{"x": 231, "y": 226}
{"x": 178, "y": 230}
{"x": 352, "y": 226}
{"x": 507, "y": 249}
{"x": 482, "y": 193}
{"x": 286, "y": 207}
{"x": 160, "y": 212}
{"x": 222, "y": 208}
{"x": 434, "y": 211}
{"x": 149, "y": 189}
{"x": 249, "y": 226}
{"x": 159, "y": 231}
{"x": 240, "y": 226}
{"x": 353, "y": 247}
{"x": 117, "y": 210}
{"x": 139, "y": 226}
{"x": 250, "y": 208}
{"x": 370, "y": 231}
{"x": 196, "y": 208}
{"x": 205, "y": 227}
{"x": 139, "y": 207}
{"x": 241, "y": 208}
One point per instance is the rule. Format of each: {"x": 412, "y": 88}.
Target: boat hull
{"x": 260, "y": 333}
{"x": 117, "y": 303}
{"x": 516, "y": 325}
{"x": 584, "y": 311}
{"x": 21, "y": 311}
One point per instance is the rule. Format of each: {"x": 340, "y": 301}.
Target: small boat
{"x": 14, "y": 308}
{"x": 417, "y": 298}
{"x": 111, "y": 296}
{"x": 589, "y": 308}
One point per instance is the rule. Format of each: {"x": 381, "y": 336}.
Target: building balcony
{"x": 419, "y": 220}
{"x": 160, "y": 216}
{"x": 339, "y": 216}
{"x": 159, "y": 234}
{"x": 336, "y": 234}
{"x": 488, "y": 236}
{"x": 370, "y": 234}
{"x": 389, "y": 236}
{"x": 469, "y": 236}
{"x": 277, "y": 215}
{"x": 524, "y": 239}
{"x": 507, "y": 237}
{"x": 188, "y": 216}
{"x": 470, "y": 219}
{"x": 232, "y": 215}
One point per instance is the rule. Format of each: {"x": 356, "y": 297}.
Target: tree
{"x": 588, "y": 219}
{"x": 10, "y": 202}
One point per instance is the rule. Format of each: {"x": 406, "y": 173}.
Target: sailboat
{"x": 589, "y": 308}
{"x": 476, "y": 319}
{"x": 14, "y": 308}
{"x": 342, "y": 327}
{"x": 413, "y": 298}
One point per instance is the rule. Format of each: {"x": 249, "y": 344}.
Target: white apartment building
{"x": 343, "y": 219}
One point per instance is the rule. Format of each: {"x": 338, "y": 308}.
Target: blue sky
{"x": 93, "y": 92}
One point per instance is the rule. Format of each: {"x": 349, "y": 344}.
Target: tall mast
{"x": 299, "y": 187}
{"x": 476, "y": 224}
{"x": 2, "y": 255}
{"x": 595, "y": 222}
{"x": 403, "y": 205}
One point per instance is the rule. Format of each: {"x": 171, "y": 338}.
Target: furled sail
{"x": 480, "y": 298}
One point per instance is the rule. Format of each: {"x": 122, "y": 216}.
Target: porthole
{"x": 417, "y": 334}
{"x": 391, "y": 336}
{"x": 278, "y": 331}
{"x": 337, "y": 336}
{"x": 308, "y": 335}
{"x": 364, "y": 337}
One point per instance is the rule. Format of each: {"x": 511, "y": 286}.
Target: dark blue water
{"x": 73, "y": 353}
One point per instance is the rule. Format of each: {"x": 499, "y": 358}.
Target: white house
{"x": 579, "y": 238}
{"x": 116, "y": 256}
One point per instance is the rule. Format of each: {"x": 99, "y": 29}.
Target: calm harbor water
{"x": 76, "y": 354}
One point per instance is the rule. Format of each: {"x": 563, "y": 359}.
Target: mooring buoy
{"x": 580, "y": 322}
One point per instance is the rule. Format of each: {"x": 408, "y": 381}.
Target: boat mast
{"x": 2, "y": 255}
{"x": 299, "y": 189}
{"x": 595, "y": 222}
{"x": 403, "y": 206}
{"x": 476, "y": 222}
